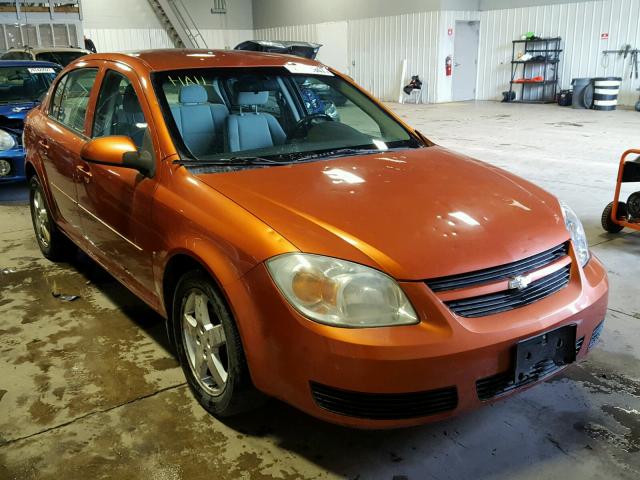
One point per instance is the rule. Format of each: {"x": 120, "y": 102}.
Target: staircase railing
{"x": 178, "y": 23}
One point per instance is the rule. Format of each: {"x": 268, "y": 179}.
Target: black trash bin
{"x": 579, "y": 86}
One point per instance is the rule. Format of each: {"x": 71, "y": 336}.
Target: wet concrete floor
{"x": 90, "y": 388}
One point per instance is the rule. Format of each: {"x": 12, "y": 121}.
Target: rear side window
{"x": 71, "y": 98}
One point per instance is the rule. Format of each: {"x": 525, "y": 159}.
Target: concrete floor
{"x": 89, "y": 388}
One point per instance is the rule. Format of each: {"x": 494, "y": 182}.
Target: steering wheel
{"x": 302, "y": 127}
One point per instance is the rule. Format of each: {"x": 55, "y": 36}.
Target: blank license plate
{"x": 558, "y": 346}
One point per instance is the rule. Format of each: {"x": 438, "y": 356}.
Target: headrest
{"x": 252, "y": 98}
{"x": 193, "y": 94}
{"x": 130, "y": 102}
{"x": 255, "y": 83}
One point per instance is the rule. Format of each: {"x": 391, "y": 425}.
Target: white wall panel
{"x": 580, "y": 26}
{"x": 225, "y": 39}
{"x": 376, "y": 48}
{"x": 123, "y": 40}
{"x": 126, "y": 40}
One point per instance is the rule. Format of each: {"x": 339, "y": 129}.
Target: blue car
{"x": 23, "y": 84}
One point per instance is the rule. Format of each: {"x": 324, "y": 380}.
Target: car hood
{"x": 12, "y": 114}
{"x": 416, "y": 213}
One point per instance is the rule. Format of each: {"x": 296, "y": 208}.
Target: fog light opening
{"x": 5, "y": 168}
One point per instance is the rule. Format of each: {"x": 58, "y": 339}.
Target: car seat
{"x": 253, "y": 130}
{"x": 131, "y": 120}
{"x": 200, "y": 123}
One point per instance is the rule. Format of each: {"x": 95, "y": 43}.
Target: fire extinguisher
{"x": 447, "y": 65}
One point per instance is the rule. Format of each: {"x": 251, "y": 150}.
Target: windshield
{"x": 24, "y": 84}
{"x": 61, "y": 58}
{"x": 274, "y": 113}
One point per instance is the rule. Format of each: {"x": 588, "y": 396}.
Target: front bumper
{"x": 288, "y": 355}
{"x": 15, "y": 157}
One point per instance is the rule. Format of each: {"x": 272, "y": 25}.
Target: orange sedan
{"x": 303, "y": 242}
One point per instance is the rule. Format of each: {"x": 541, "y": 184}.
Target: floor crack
{"x": 624, "y": 313}
{"x": 90, "y": 414}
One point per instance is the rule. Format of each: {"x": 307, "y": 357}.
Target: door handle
{"x": 44, "y": 144}
{"x": 86, "y": 174}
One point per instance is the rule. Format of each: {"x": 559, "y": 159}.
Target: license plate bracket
{"x": 557, "y": 346}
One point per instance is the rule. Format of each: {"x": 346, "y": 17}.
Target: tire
{"x": 202, "y": 335}
{"x": 633, "y": 205}
{"x": 52, "y": 242}
{"x": 607, "y": 222}
{"x": 638, "y": 106}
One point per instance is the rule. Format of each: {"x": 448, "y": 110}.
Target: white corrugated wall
{"x": 375, "y": 47}
{"x": 123, "y": 40}
{"x": 579, "y": 24}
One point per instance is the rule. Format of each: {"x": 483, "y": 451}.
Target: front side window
{"x": 25, "y": 84}
{"x": 71, "y": 98}
{"x": 118, "y": 111}
{"x": 218, "y": 114}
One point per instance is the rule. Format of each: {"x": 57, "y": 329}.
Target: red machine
{"x": 617, "y": 214}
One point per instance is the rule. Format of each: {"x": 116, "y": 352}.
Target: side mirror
{"x": 119, "y": 151}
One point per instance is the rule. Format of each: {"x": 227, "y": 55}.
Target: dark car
{"x": 23, "y": 84}
{"x": 301, "y": 49}
{"x": 60, "y": 55}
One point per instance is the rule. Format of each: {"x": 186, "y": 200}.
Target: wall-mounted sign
{"x": 450, "y": 31}
{"x": 604, "y": 36}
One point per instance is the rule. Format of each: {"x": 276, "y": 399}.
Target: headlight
{"x": 579, "y": 238}
{"x": 340, "y": 293}
{"x": 6, "y": 141}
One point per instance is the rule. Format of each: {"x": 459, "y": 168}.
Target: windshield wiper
{"x": 346, "y": 152}
{"x": 231, "y": 162}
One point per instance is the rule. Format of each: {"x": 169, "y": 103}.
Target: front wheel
{"x": 209, "y": 348}
{"x": 53, "y": 244}
{"x": 607, "y": 222}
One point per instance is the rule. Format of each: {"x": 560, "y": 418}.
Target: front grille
{"x": 509, "y": 299}
{"x": 502, "y": 272}
{"x": 595, "y": 336}
{"x": 501, "y": 383}
{"x": 384, "y": 406}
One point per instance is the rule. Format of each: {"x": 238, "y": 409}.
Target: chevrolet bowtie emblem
{"x": 520, "y": 282}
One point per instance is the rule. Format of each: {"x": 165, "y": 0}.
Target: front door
{"x": 116, "y": 202}
{"x": 465, "y": 60}
{"x": 64, "y": 137}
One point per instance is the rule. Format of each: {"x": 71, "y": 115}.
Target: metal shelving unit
{"x": 546, "y": 57}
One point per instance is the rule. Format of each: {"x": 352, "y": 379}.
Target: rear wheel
{"x": 209, "y": 348}
{"x": 53, "y": 244}
{"x": 608, "y": 223}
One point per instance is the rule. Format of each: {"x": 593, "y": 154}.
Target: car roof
{"x": 46, "y": 49}
{"x": 176, "y": 59}
{"x": 27, "y": 63}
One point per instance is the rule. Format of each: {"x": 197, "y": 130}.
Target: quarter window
{"x": 71, "y": 98}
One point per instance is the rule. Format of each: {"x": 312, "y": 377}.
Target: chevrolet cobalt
{"x": 340, "y": 262}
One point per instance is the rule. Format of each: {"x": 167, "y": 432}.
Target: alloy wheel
{"x": 41, "y": 219}
{"x": 204, "y": 342}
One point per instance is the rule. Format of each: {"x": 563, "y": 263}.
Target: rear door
{"x": 116, "y": 202}
{"x": 63, "y": 136}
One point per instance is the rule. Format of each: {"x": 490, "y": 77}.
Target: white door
{"x": 465, "y": 60}
{"x": 334, "y": 39}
